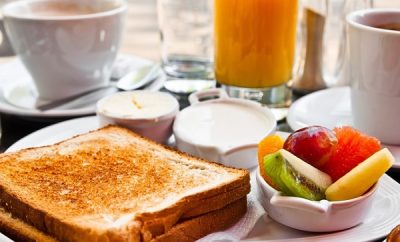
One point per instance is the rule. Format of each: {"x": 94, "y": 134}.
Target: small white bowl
{"x": 314, "y": 216}
{"x": 148, "y": 113}
{"x": 223, "y": 129}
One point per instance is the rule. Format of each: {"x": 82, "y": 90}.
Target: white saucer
{"x": 384, "y": 216}
{"x": 329, "y": 108}
{"x": 18, "y": 94}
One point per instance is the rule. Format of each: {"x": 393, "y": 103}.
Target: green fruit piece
{"x": 295, "y": 177}
{"x": 273, "y": 166}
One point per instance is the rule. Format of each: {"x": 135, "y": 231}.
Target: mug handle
{"x": 5, "y": 46}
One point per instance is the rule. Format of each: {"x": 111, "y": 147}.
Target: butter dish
{"x": 148, "y": 113}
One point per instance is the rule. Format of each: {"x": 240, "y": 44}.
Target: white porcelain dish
{"x": 384, "y": 216}
{"x": 148, "y": 113}
{"x": 314, "y": 216}
{"x": 77, "y": 51}
{"x": 222, "y": 129}
{"x": 17, "y": 95}
{"x": 329, "y": 108}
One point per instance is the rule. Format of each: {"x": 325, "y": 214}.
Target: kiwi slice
{"x": 295, "y": 177}
{"x": 273, "y": 166}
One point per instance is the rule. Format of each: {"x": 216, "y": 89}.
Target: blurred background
{"x": 141, "y": 36}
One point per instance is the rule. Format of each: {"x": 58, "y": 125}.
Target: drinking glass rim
{"x": 7, "y": 12}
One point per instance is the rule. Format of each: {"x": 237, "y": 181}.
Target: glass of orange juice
{"x": 255, "y": 47}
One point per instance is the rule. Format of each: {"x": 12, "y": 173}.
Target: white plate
{"x": 16, "y": 85}
{"x": 56, "y": 133}
{"x": 384, "y": 216}
{"x": 329, "y": 108}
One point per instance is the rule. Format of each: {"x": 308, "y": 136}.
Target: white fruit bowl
{"x": 314, "y": 216}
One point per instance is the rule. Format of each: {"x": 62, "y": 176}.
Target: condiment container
{"x": 148, "y": 113}
{"x": 314, "y": 216}
{"x": 222, "y": 129}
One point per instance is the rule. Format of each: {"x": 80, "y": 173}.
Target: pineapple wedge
{"x": 357, "y": 181}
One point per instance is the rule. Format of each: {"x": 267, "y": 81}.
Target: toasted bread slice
{"x": 17, "y": 230}
{"x": 112, "y": 184}
{"x": 186, "y": 230}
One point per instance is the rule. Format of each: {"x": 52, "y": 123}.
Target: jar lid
{"x": 224, "y": 124}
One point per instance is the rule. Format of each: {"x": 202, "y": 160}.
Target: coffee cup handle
{"x": 5, "y": 45}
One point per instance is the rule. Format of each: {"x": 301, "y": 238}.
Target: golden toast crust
{"x": 187, "y": 230}
{"x": 112, "y": 183}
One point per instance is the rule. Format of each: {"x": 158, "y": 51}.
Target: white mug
{"x": 67, "y": 46}
{"x": 375, "y": 72}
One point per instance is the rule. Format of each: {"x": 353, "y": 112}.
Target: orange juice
{"x": 254, "y": 42}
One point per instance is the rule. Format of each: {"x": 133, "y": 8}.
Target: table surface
{"x": 141, "y": 38}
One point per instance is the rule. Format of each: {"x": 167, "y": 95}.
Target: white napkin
{"x": 243, "y": 227}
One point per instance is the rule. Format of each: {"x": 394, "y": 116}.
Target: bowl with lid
{"x": 148, "y": 113}
{"x": 222, "y": 129}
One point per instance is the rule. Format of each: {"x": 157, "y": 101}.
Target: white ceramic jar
{"x": 147, "y": 113}
{"x": 223, "y": 129}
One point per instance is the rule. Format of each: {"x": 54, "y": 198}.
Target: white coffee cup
{"x": 375, "y": 72}
{"x": 68, "y": 46}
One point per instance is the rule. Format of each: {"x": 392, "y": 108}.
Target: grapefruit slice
{"x": 353, "y": 148}
{"x": 361, "y": 178}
